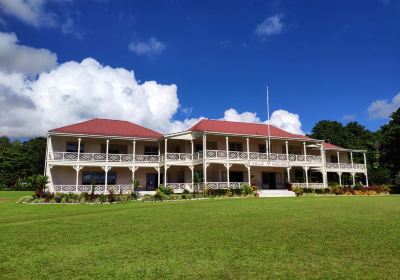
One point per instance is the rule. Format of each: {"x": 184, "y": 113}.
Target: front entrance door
{"x": 268, "y": 180}
{"x": 235, "y": 176}
{"x": 151, "y": 181}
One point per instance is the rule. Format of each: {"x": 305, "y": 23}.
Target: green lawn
{"x": 307, "y": 237}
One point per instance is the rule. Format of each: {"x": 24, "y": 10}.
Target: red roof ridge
{"x": 243, "y": 128}
{"x": 108, "y": 127}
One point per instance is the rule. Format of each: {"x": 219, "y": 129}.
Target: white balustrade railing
{"x": 225, "y": 185}
{"x": 335, "y": 165}
{"x": 178, "y": 157}
{"x": 147, "y": 158}
{"x": 180, "y": 187}
{"x": 310, "y": 185}
{"x": 88, "y": 188}
{"x": 67, "y": 156}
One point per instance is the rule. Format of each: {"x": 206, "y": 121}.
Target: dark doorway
{"x": 268, "y": 180}
{"x": 236, "y": 176}
{"x": 151, "y": 181}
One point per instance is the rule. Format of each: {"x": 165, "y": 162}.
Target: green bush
{"x": 247, "y": 189}
{"x": 165, "y": 190}
{"x": 25, "y": 199}
{"x": 160, "y": 195}
{"x": 57, "y": 198}
{"x": 298, "y": 191}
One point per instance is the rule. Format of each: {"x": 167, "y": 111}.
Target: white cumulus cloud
{"x": 381, "y": 109}
{"x": 76, "y": 91}
{"x": 286, "y": 121}
{"x": 150, "y": 47}
{"x": 272, "y": 25}
{"x": 31, "y": 12}
{"x": 19, "y": 58}
{"x": 233, "y": 115}
{"x": 279, "y": 118}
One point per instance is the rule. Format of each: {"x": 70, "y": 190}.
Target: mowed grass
{"x": 296, "y": 238}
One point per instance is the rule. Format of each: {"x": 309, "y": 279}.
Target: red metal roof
{"x": 329, "y": 146}
{"x": 108, "y": 128}
{"x": 242, "y": 128}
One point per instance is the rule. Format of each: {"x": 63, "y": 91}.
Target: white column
{"x": 227, "y": 146}
{"x": 267, "y": 148}
{"x": 324, "y": 175}
{"x": 204, "y": 160}
{"x": 351, "y": 158}
{"x": 192, "y": 147}
{"x": 248, "y": 148}
{"x": 306, "y": 171}
{"x": 106, "y": 178}
{"x": 287, "y": 150}
{"x": 288, "y": 174}
{"x": 77, "y": 177}
{"x": 305, "y": 151}
{"x": 366, "y": 171}
{"x": 158, "y": 175}
{"x": 354, "y": 179}
{"x": 227, "y": 165}
{"x": 107, "y": 144}
{"x": 79, "y": 149}
{"x": 134, "y": 151}
{"x": 165, "y": 161}
{"x": 338, "y": 159}
{"x": 340, "y": 178}
{"x": 248, "y": 174}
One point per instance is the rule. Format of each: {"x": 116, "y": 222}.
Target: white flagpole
{"x": 269, "y": 130}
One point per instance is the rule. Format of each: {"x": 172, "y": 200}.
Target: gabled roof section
{"x": 106, "y": 127}
{"x": 242, "y": 128}
{"x": 329, "y": 146}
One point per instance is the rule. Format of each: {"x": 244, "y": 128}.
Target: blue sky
{"x": 321, "y": 59}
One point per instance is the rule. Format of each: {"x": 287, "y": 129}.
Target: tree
{"x": 390, "y": 143}
{"x": 330, "y": 131}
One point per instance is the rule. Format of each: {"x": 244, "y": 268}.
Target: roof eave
{"x": 51, "y": 133}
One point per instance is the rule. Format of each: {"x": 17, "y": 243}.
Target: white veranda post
{"x": 79, "y": 148}
{"x": 287, "y": 150}
{"x": 366, "y": 171}
{"x": 106, "y": 167}
{"x": 324, "y": 176}
{"x": 248, "y": 148}
{"x": 306, "y": 173}
{"x": 227, "y": 146}
{"x": 204, "y": 160}
{"x": 165, "y": 161}
{"x": 228, "y": 166}
{"x": 249, "y": 174}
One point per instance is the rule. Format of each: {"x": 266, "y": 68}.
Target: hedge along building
{"x": 216, "y": 154}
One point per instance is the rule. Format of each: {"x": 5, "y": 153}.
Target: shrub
{"x": 186, "y": 191}
{"x": 298, "y": 191}
{"x": 160, "y": 195}
{"x": 247, "y": 189}
{"x": 25, "y": 199}
{"x": 57, "y": 198}
{"x": 103, "y": 198}
{"x": 165, "y": 190}
{"x": 111, "y": 196}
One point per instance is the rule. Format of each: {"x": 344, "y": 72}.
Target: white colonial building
{"x": 213, "y": 153}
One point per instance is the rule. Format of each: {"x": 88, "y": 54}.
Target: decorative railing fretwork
{"x": 88, "y": 188}
{"x": 310, "y": 185}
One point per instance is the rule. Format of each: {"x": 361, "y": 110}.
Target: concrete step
{"x": 276, "y": 193}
